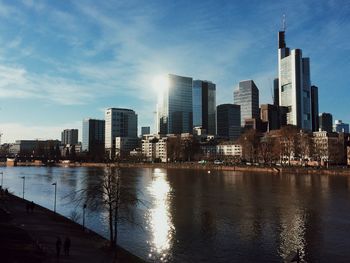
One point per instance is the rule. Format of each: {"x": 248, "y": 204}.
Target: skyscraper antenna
{"x": 284, "y": 23}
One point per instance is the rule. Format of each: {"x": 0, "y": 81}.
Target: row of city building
{"x": 188, "y": 106}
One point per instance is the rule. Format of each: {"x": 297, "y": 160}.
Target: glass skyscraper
{"x": 325, "y": 121}
{"x": 228, "y": 121}
{"x": 119, "y": 123}
{"x": 175, "y": 113}
{"x": 294, "y": 84}
{"x": 93, "y": 137}
{"x": 247, "y": 96}
{"x": 204, "y": 105}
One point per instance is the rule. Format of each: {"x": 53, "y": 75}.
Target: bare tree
{"x": 250, "y": 141}
{"x": 288, "y": 135}
{"x": 113, "y": 194}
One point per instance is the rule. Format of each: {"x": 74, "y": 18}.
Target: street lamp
{"x": 54, "y": 206}
{"x": 2, "y": 178}
{"x": 84, "y": 207}
{"x": 24, "y": 181}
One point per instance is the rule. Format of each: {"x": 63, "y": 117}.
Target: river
{"x": 196, "y": 216}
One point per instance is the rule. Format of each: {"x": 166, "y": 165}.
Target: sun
{"x": 160, "y": 83}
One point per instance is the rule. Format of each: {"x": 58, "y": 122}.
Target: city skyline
{"x": 62, "y": 62}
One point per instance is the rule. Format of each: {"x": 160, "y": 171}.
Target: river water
{"x": 196, "y": 216}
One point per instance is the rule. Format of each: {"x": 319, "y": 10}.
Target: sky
{"x": 63, "y": 61}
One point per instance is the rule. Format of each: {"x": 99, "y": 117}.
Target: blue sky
{"x": 62, "y": 61}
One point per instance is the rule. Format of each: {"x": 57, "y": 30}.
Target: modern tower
{"x": 276, "y": 97}
{"x": 119, "y": 123}
{"x": 93, "y": 137}
{"x": 69, "y": 136}
{"x": 325, "y": 122}
{"x": 247, "y": 96}
{"x": 228, "y": 121}
{"x": 314, "y": 108}
{"x": 340, "y": 126}
{"x": 204, "y": 105}
{"x": 294, "y": 84}
{"x": 175, "y": 111}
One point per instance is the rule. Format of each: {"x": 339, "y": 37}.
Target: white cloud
{"x": 16, "y": 131}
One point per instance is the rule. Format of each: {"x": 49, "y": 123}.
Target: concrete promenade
{"x": 44, "y": 226}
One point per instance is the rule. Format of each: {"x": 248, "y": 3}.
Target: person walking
{"x": 58, "y": 246}
{"x": 66, "y": 246}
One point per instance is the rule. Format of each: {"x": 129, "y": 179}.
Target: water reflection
{"x": 160, "y": 219}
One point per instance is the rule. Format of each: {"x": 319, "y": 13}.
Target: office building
{"x": 325, "y": 121}
{"x": 123, "y": 145}
{"x": 228, "y": 121}
{"x": 247, "y": 96}
{"x": 314, "y": 108}
{"x": 270, "y": 114}
{"x": 340, "y": 126}
{"x": 204, "y": 105}
{"x": 145, "y": 130}
{"x": 69, "y": 136}
{"x": 93, "y": 137}
{"x": 276, "y": 95}
{"x": 175, "y": 113}
{"x": 294, "y": 84}
{"x": 118, "y": 123}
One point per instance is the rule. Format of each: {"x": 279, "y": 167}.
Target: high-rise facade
{"x": 325, "y": 122}
{"x": 314, "y": 108}
{"x": 276, "y": 96}
{"x": 294, "y": 84}
{"x": 93, "y": 137}
{"x": 229, "y": 121}
{"x": 247, "y": 96}
{"x": 204, "y": 105}
{"x": 340, "y": 126}
{"x": 69, "y": 136}
{"x": 145, "y": 130}
{"x": 119, "y": 123}
{"x": 175, "y": 112}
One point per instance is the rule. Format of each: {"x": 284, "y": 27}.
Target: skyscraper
{"x": 247, "y": 96}
{"x": 228, "y": 121}
{"x": 119, "y": 123}
{"x": 276, "y": 96}
{"x": 294, "y": 84}
{"x": 204, "y": 105}
{"x": 145, "y": 130}
{"x": 93, "y": 137}
{"x": 340, "y": 126}
{"x": 175, "y": 111}
{"x": 314, "y": 108}
{"x": 69, "y": 136}
{"x": 325, "y": 122}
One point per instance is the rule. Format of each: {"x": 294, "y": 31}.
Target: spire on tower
{"x": 284, "y": 26}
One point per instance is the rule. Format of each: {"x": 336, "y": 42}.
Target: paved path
{"x": 45, "y": 226}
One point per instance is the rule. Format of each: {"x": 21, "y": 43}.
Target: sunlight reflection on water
{"x": 160, "y": 219}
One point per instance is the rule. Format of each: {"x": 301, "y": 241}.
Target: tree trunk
{"x": 111, "y": 225}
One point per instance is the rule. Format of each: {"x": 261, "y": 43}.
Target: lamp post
{"x": 84, "y": 207}
{"x": 54, "y": 205}
{"x": 24, "y": 181}
{"x": 2, "y": 179}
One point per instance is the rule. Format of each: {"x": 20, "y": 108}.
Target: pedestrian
{"x": 66, "y": 246}
{"x": 58, "y": 246}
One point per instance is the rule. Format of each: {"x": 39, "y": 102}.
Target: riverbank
{"x": 41, "y": 227}
{"x": 209, "y": 166}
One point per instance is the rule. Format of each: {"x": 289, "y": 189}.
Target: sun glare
{"x": 160, "y": 83}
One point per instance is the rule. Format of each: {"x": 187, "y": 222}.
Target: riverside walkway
{"x": 44, "y": 226}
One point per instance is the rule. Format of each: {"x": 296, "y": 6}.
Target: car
{"x": 218, "y": 162}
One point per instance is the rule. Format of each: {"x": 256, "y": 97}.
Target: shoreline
{"x": 240, "y": 168}
{"x": 42, "y": 230}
